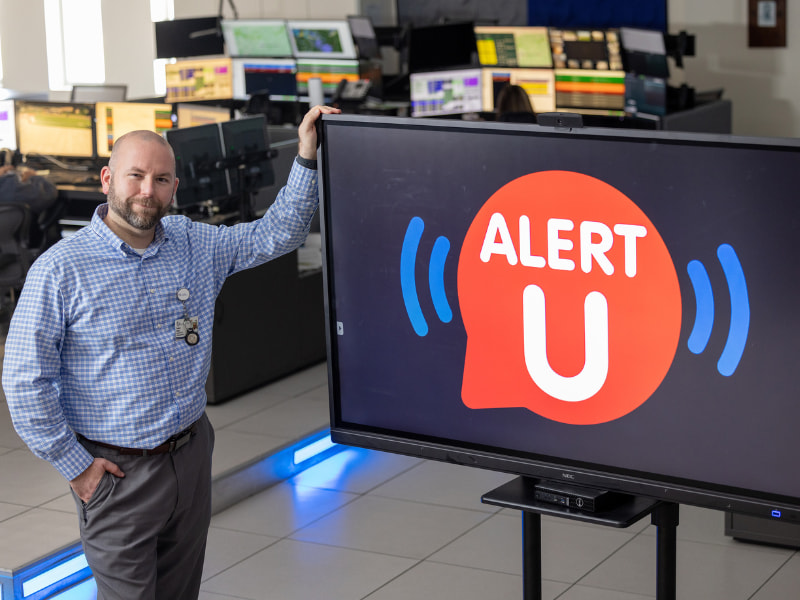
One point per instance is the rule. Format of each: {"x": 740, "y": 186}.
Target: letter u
{"x": 590, "y": 380}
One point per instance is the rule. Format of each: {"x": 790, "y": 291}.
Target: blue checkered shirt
{"x": 92, "y": 347}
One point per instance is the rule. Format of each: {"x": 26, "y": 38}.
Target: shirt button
{"x": 152, "y": 291}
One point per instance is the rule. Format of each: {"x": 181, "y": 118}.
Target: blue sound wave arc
{"x": 408, "y": 259}
{"x": 740, "y": 311}
{"x": 436, "y": 279}
{"x": 704, "y": 315}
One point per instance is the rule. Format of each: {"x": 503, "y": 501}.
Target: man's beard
{"x": 124, "y": 208}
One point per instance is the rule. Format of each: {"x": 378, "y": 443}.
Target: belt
{"x": 172, "y": 444}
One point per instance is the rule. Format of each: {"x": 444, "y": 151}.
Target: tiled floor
{"x": 376, "y": 526}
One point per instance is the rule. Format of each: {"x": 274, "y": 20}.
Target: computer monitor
{"x": 198, "y": 150}
{"x": 182, "y": 38}
{"x": 645, "y": 94}
{"x": 99, "y": 93}
{"x": 55, "y": 128}
{"x": 278, "y": 76}
{"x": 538, "y": 83}
{"x": 330, "y": 72}
{"x": 245, "y": 144}
{"x": 581, "y": 90}
{"x": 191, "y": 114}
{"x": 321, "y": 39}
{"x": 114, "y": 119}
{"x": 446, "y": 92}
{"x": 644, "y": 52}
{"x": 199, "y": 79}
{"x": 441, "y": 46}
{"x": 513, "y": 46}
{"x": 586, "y": 49}
{"x": 257, "y": 37}
{"x": 364, "y": 36}
{"x": 8, "y": 125}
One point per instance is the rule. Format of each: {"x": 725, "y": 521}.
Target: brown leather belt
{"x": 172, "y": 444}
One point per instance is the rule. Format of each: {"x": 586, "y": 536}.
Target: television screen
{"x": 321, "y": 39}
{"x": 55, "y": 128}
{"x": 441, "y": 46}
{"x": 513, "y": 46}
{"x": 594, "y": 49}
{"x": 199, "y": 79}
{"x": 8, "y": 125}
{"x": 610, "y": 307}
{"x": 538, "y": 83}
{"x": 257, "y": 37}
{"x": 446, "y": 92}
{"x": 644, "y": 94}
{"x": 197, "y": 152}
{"x": 181, "y": 38}
{"x": 113, "y": 119}
{"x": 579, "y": 90}
{"x": 278, "y": 76}
{"x": 330, "y": 73}
{"x": 190, "y": 114}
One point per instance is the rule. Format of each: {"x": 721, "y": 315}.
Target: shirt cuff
{"x": 307, "y": 163}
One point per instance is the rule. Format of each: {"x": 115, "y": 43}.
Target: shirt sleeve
{"x": 283, "y": 228}
{"x": 31, "y": 368}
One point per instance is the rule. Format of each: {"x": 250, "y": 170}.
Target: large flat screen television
{"x": 611, "y": 308}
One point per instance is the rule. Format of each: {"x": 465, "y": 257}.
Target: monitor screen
{"x": 8, "y": 125}
{"x": 199, "y": 79}
{"x": 330, "y": 72}
{"x": 321, "y": 39}
{"x": 538, "y": 83}
{"x": 192, "y": 114}
{"x": 246, "y": 140}
{"x": 257, "y": 37}
{"x": 613, "y": 308}
{"x": 277, "y": 76}
{"x": 645, "y": 94}
{"x": 644, "y": 52}
{"x": 441, "y": 46}
{"x": 583, "y": 89}
{"x": 513, "y": 46}
{"x": 55, "y": 128}
{"x": 446, "y": 93}
{"x": 181, "y": 38}
{"x": 197, "y": 150}
{"x": 364, "y": 36}
{"x": 113, "y": 119}
{"x": 586, "y": 49}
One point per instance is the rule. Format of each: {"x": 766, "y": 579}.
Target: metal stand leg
{"x": 531, "y": 555}
{"x": 665, "y": 518}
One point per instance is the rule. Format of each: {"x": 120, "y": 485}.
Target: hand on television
{"x": 307, "y": 131}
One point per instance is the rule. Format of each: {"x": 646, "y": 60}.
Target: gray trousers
{"x": 144, "y": 535}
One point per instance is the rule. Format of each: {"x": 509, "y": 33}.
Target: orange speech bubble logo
{"x": 570, "y": 301}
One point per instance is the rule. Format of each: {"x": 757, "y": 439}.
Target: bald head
{"x": 134, "y": 138}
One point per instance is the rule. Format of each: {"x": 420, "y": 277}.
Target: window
{"x": 74, "y": 32}
{"x": 161, "y": 10}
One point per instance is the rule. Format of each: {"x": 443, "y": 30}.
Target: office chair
{"x": 15, "y": 258}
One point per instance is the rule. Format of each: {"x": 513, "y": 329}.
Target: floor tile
{"x": 580, "y": 592}
{"x": 280, "y": 510}
{"x": 396, "y": 527}
{"x": 291, "y": 570}
{"x": 227, "y": 548}
{"x": 783, "y": 584}
{"x": 446, "y": 484}
{"x": 35, "y": 480}
{"x": 707, "y": 571}
{"x": 244, "y": 406}
{"x": 35, "y": 534}
{"x": 11, "y": 510}
{"x": 233, "y": 449}
{"x": 289, "y": 418}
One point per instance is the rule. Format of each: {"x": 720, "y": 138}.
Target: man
{"x": 108, "y": 353}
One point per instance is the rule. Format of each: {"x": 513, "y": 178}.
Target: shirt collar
{"x": 102, "y": 230}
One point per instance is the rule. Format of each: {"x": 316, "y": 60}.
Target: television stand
{"x": 519, "y": 494}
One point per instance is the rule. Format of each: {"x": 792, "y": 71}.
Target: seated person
{"x": 21, "y": 185}
{"x": 513, "y": 105}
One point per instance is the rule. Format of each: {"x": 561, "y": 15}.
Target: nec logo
{"x": 570, "y": 300}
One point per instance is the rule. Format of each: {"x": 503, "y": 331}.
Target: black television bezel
{"x": 186, "y": 135}
{"x": 529, "y": 465}
{"x": 177, "y": 38}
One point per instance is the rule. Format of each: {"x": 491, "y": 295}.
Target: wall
{"x": 763, "y": 83}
